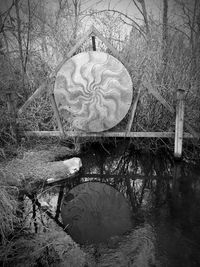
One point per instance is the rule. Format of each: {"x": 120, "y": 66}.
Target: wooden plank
{"x": 132, "y": 115}
{"x": 139, "y": 89}
{"x": 43, "y": 133}
{"x": 56, "y": 113}
{"x": 107, "y": 134}
{"x": 37, "y": 92}
{"x": 121, "y": 134}
{"x": 179, "y": 124}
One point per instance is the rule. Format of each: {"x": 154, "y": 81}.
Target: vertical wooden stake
{"x": 179, "y": 124}
{"x": 93, "y": 43}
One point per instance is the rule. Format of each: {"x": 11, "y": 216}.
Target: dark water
{"x": 165, "y": 200}
{"x": 94, "y": 212}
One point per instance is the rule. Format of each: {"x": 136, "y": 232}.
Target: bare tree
{"x": 191, "y": 18}
{"x": 143, "y": 12}
{"x": 165, "y": 31}
{"x": 22, "y": 47}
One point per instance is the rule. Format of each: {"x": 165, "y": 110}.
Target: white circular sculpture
{"x": 95, "y": 88}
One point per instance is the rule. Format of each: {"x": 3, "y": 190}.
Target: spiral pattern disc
{"x": 95, "y": 88}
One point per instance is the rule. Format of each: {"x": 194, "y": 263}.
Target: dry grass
{"x": 8, "y": 206}
{"x": 53, "y": 248}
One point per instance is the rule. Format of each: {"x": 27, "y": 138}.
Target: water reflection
{"x": 93, "y": 212}
{"x": 138, "y": 175}
{"x": 165, "y": 199}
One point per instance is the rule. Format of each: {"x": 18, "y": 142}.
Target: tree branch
{"x": 138, "y": 7}
{"x": 28, "y": 35}
{"x": 120, "y": 13}
{"x": 7, "y": 12}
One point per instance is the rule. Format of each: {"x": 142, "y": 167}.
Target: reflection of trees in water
{"x": 167, "y": 193}
{"x": 134, "y": 249}
{"x": 152, "y": 182}
{"x": 141, "y": 176}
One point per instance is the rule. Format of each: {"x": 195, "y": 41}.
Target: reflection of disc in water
{"x": 95, "y": 88}
{"x": 93, "y": 212}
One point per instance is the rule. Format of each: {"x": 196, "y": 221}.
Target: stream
{"x": 164, "y": 199}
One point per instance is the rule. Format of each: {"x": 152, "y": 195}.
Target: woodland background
{"x": 162, "y": 51}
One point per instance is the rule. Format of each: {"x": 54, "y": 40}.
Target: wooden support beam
{"x": 179, "y": 124}
{"x": 132, "y": 115}
{"x": 139, "y": 89}
{"x": 56, "y": 113}
{"x": 43, "y": 133}
{"x": 37, "y": 92}
{"x": 106, "y": 134}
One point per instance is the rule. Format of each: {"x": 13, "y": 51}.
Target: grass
{"x": 8, "y": 207}
{"x": 52, "y": 248}
{"x": 19, "y": 245}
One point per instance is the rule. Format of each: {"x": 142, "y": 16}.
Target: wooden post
{"x": 93, "y": 43}
{"x": 179, "y": 124}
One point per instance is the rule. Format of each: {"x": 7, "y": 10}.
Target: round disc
{"x": 93, "y": 212}
{"x": 95, "y": 88}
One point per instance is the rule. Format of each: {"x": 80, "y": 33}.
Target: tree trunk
{"x": 19, "y": 39}
{"x": 144, "y": 14}
{"x": 165, "y": 38}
